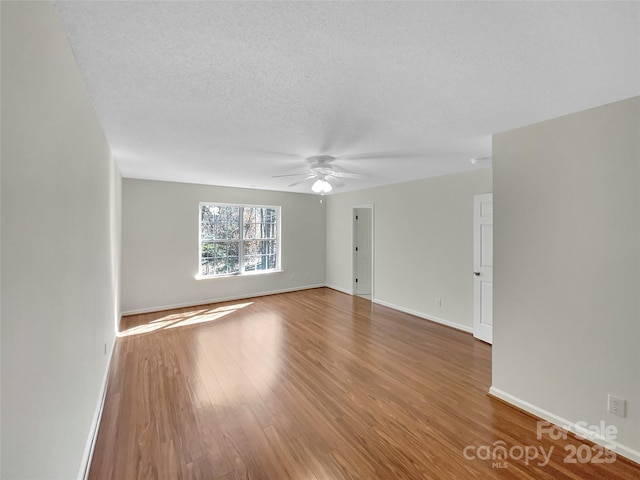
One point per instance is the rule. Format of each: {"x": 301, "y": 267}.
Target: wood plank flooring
{"x": 313, "y": 385}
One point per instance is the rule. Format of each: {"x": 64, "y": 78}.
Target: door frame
{"x": 354, "y": 267}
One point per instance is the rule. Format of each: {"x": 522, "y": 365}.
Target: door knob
{"x": 477, "y": 274}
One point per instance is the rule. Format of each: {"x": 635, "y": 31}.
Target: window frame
{"x": 241, "y": 241}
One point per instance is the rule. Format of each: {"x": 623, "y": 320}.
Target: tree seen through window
{"x": 237, "y": 239}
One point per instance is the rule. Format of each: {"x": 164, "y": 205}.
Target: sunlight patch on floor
{"x": 175, "y": 320}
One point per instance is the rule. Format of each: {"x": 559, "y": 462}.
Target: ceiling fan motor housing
{"x": 321, "y": 159}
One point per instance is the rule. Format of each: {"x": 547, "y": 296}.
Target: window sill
{"x": 237, "y": 275}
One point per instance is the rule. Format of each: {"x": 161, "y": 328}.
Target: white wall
{"x": 60, "y": 249}
{"x": 567, "y": 267}
{"x": 160, "y": 244}
{"x": 423, "y": 244}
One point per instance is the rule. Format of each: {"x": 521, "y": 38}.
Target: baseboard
{"x": 415, "y": 313}
{"x": 431, "y": 318}
{"x": 218, "y": 300}
{"x": 620, "y": 449}
{"x": 83, "y": 474}
{"x": 338, "y": 289}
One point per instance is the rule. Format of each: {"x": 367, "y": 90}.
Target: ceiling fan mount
{"x": 321, "y": 164}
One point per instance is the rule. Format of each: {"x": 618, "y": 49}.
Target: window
{"x": 238, "y": 239}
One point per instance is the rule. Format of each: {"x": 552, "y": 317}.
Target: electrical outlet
{"x": 616, "y": 405}
{"x": 438, "y": 302}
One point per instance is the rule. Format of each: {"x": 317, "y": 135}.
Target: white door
{"x": 483, "y": 267}
{"x": 363, "y": 251}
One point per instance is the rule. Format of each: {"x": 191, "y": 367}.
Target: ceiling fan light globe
{"x": 317, "y": 186}
{"x": 321, "y": 186}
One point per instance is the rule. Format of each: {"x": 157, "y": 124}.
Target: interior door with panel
{"x": 363, "y": 251}
{"x": 483, "y": 267}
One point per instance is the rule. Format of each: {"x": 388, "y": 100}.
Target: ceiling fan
{"x": 325, "y": 174}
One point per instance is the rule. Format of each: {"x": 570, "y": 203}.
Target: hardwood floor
{"x": 313, "y": 385}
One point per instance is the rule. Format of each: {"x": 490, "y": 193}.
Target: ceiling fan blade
{"x": 348, "y": 175}
{"x": 302, "y": 181}
{"x": 381, "y": 155}
{"x": 291, "y": 175}
{"x": 283, "y": 154}
{"x": 332, "y": 179}
{"x": 268, "y": 152}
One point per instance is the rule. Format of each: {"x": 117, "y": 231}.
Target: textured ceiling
{"x": 233, "y": 93}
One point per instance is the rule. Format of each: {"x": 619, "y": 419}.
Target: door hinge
{"x": 356, "y": 217}
{"x": 356, "y": 249}
{"x": 356, "y": 280}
